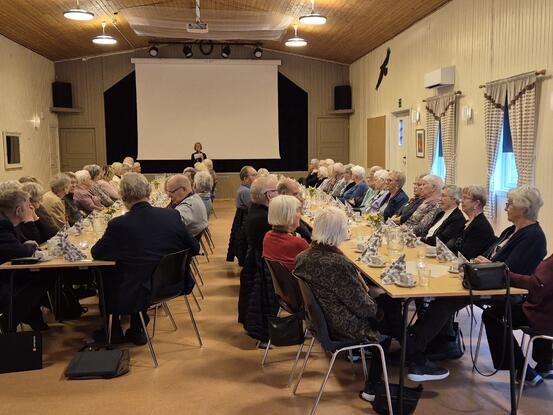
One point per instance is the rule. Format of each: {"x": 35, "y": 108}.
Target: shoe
{"x": 368, "y": 394}
{"x": 427, "y": 371}
{"x": 545, "y": 371}
{"x": 138, "y": 337}
{"x": 117, "y": 336}
{"x": 532, "y": 377}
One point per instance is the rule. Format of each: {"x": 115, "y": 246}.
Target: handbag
{"x": 484, "y": 276}
{"x": 447, "y": 346}
{"x": 411, "y": 398}
{"x": 99, "y": 363}
{"x": 286, "y": 331}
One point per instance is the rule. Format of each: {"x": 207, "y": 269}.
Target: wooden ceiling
{"x": 354, "y": 27}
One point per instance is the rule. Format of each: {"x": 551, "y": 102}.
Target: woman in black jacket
{"x": 449, "y": 223}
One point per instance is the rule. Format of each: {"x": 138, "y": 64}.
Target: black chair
{"x": 289, "y": 298}
{"x": 200, "y": 238}
{"x": 319, "y": 330}
{"x": 170, "y": 280}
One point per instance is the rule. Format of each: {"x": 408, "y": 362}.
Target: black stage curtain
{"x": 122, "y": 136}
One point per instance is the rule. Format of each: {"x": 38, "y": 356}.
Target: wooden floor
{"x": 225, "y": 376}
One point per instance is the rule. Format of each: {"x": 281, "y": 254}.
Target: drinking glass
{"x": 424, "y": 277}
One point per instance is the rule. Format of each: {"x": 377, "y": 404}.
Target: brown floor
{"x": 225, "y": 376}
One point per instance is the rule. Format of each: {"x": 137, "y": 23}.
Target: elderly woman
{"x": 338, "y": 171}
{"x": 322, "y": 175}
{"x": 203, "y": 183}
{"x": 104, "y": 182}
{"x": 312, "y": 172}
{"x": 397, "y": 198}
{"x": 44, "y": 227}
{"x": 431, "y": 192}
{"x": 189, "y": 172}
{"x": 136, "y": 167}
{"x": 478, "y": 234}
{"x": 371, "y": 191}
{"x": 412, "y": 204}
{"x": 209, "y": 164}
{"x": 96, "y": 189}
{"x": 344, "y": 184}
{"x": 281, "y": 243}
{"x": 340, "y": 290}
{"x": 356, "y": 193}
{"x": 117, "y": 170}
{"x": 450, "y": 221}
{"x": 72, "y": 211}
{"x": 129, "y": 161}
{"x": 380, "y": 193}
{"x": 52, "y": 200}
{"x": 83, "y": 196}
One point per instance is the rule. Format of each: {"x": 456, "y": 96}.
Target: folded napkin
{"x": 70, "y": 252}
{"x": 372, "y": 245}
{"x": 443, "y": 253}
{"x": 392, "y": 273}
{"x": 460, "y": 261}
{"x": 410, "y": 238}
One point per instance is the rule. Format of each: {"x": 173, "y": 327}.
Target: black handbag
{"x": 490, "y": 276}
{"x": 286, "y": 331}
{"x": 99, "y": 363}
{"x": 411, "y": 398}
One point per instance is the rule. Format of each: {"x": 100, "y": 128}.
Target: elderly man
{"x": 262, "y": 191}
{"x": 83, "y": 197}
{"x": 430, "y": 192}
{"x": 189, "y": 204}
{"x": 52, "y": 200}
{"x": 354, "y": 196}
{"x": 72, "y": 211}
{"x": 291, "y": 187}
{"x": 137, "y": 241}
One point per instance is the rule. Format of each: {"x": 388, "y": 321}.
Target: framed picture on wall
{"x": 12, "y": 150}
{"x": 421, "y": 145}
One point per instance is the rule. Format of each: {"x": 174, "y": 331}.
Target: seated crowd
{"x": 271, "y": 227}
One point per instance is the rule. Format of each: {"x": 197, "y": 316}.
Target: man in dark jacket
{"x": 137, "y": 241}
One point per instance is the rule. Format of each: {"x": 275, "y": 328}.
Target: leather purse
{"x": 490, "y": 276}
{"x": 286, "y": 331}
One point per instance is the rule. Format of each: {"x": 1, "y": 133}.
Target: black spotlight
{"x": 187, "y": 50}
{"x": 258, "y": 52}
{"x": 225, "y": 51}
{"x": 153, "y": 51}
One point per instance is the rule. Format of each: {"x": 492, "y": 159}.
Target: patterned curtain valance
{"x": 438, "y": 105}
{"x": 512, "y": 88}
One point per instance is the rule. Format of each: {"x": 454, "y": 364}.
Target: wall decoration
{"x": 12, "y": 150}
{"x": 384, "y": 69}
{"x": 421, "y": 145}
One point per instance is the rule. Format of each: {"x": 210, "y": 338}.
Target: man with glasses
{"x": 187, "y": 203}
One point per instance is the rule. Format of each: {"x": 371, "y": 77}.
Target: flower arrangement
{"x": 375, "y": 219}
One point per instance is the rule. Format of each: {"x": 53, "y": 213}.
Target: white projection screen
{"x": 230, "y": 106}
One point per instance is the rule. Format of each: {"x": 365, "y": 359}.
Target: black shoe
{"x": 425, "y": 372}
{"x": 544, "y": 370}
{"x": 117, "y": 336}
{"x": 137, "y": 337}
{"x": 533, "y": 378}
{"x": 368, "y": 393}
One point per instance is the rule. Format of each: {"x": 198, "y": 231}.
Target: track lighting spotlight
{"x": 258, "y": 52}
{"x": 153, "y": 51}
{"x": 225, "y": 51}
{"x": 187, "y": 51}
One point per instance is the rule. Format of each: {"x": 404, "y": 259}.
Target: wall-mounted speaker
{"x": 61, "y": 94}
{"x": 342, "y": 97}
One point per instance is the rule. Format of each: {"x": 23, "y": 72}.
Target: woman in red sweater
{"x": 281, "y": 244}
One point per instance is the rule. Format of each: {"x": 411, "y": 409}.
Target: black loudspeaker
{"x": 61, "y": 94}
{"x": 342, "y": 97}
{"x": 20, "y": 351}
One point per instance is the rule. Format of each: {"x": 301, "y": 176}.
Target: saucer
{"x": 376, "y": 265}
{"x": 430, "y": 255}
{"x": 400, "y": 284}
{"x": 453, "y": 271}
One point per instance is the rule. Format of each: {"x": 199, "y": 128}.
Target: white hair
{"x": 339, "y": 168}
{"x": 203, "y": 182}
{"x": 330, "y": 227}
{"x": 282, "y": 210}
{"x": 314, "y": 161}
{"x": 358, "y": 171}
{"x": 381, "y": 174}
{"x": 134, "y": 187}
{"x": 454, "y": 191}
{"x": 9, "y": 185}
{"x": 263, "y": 172}
{"x": 59, "y": 182}
{"x": 260, "y": 186}
{"x": 527, "y": 198}
{"x": 329, "y": 161}
{"x": 323, "y": 171}
{"x": 35, "y": 191}
{"x": 208, "y": 163}
{"x": 129, "y": 161}
{"x": 434, "y": 180}
{"x": 82, "y": 176}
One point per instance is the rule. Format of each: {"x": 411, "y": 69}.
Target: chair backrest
{"x": 170, "y": 276}
{"x": 315, "y": 316}
{"x": 286, "y": 287}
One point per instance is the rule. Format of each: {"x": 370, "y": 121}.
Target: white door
{"x": 399, "y": 136}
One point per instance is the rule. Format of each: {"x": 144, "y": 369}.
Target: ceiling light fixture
{"x": 296, "y": 42}
{"x": 258, "y": 52}
{"x": 153, "y": 51}
{"x": 78, "y": 14}
{"x": 104, "y": 39}
{"x": 225, "y": 51}
{"x": 313, "y": 18}
{"x": 187, "y": 51}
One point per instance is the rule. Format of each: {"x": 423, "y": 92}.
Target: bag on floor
{"x": 286, "y": 331}
{"x": 411, "y": 398}
{"x": 98, "y": 363}
{"x": 447, "y": 347}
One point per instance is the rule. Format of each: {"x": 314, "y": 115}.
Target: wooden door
{"x": 77, "y": 148}
{"x": 333, "y": 138}
{"x": 376, "y": 141}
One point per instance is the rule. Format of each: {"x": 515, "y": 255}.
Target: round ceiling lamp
{"x": 153, "y": 51}
{"x": 296, "y": 42}
{"x": 78, "y": 14}
{"x": 313, "y": 18}
{"x": 104, "y": 39}
{"x": 258, "y": 52}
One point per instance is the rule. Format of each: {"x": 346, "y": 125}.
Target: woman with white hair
{"x": 430, "y": 191}
{"x": 281, "y": 243}
{"x": 322, "y": 175}
{"x": 354, "y": 196}
{"x": 381, "y": 193}
{"x": 203, "y": 183}
{"x": 344, "y": 184}
{"x": 209, "y": 164}
{"x": 349, "y": 309}
{"x": 312, "y": 173}
{"x": 95, "y": 171}
{"x": 83, "y": 197}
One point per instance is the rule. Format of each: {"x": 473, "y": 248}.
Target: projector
{"x": 197, "y": 27}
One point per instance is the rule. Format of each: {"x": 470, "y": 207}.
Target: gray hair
{"x": 129, "y": 161}
{"x": 263, "y": 172}
{"x": 381, "y": 174}
{"x": 116, "y": 167}
{"x": 454, "y": 192}
{"x": 527, "y": 198}
{"x": 260, "y": 186}
{"x": 27, "y": 179}
{"x": 434, "y": 180}
{"x": 35, "y": 191}
{"x": 11, "y": 199}
{"x": 314, "y": 161}
{"x": 59, "y": 182}
{"x": 9, "y": 185}
{"x": 477, "y": 193}
{"x": 347, "y": 168}
{"x": 82, "y": 175}
{"x": 244, "y": 172}
{"x": 93, "y": 169}
{"x": 323, "y": 171}
{"x": 134, "y": 187}
{"x": 282, "y": 210}
{"x": 400, "y": 177}
{"x": 208, "y": 163}
{"x": 329, "y": 161}
{"x": 203, "y": 182}
{"x": 330, "y": 227}
{"x": 358, "y": 171}
{"x": 339, "y": 168}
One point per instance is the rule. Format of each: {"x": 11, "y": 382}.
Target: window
{"x": 438, "y": 164}
{"x": 505, "y": 176}
{"x": 401, "y": 132}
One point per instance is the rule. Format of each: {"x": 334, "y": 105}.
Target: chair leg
{"x": 193, "y": 321}
{"x": 385, "y": 375}
{"x": 351, "y": 363}
{"x": 207, "y": 242}
{"x": 477, "y": 352}
{"x": 196, "y": 301}
{"x": 298, "y": 354}
{"x": 169, "y": 314}
{"x": 306, "y": 359}
{"x": 196, "y": 272}
{"x": 155, "y": 321}
{"x": 204, "y": 250}
{"x": 110, "y": 325}
{"x": 268, "y": 344}
{"x": 197, "y": 286}
{"x": 210, "y": 239}
{"x": 325, "y": 380}
{"x": 150, "y": 346}
{"x": 364, "y": 363}
{"x": 526, "y": 360}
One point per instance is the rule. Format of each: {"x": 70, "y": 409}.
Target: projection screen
{"x": 230, "y": 106}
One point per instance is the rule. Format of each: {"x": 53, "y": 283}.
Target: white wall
{"x": 485, "y": 40}
{"x": 26, "y": 92}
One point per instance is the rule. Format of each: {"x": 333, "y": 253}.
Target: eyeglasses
{"x": 174, "y": 190}
{"x": 508, "y": 203}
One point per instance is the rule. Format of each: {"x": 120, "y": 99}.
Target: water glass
{"x": 424, "y": 277}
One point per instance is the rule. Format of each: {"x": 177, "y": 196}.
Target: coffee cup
{"x": 406, "y": 278}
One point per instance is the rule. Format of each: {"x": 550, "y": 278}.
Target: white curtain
{"x": 443, "y": 108}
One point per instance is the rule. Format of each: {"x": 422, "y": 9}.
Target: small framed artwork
{"x": 421, "y": 145}
{"x": 12, "y": 150}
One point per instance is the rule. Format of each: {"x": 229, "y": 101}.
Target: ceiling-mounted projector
{"x": 197, "y": 27}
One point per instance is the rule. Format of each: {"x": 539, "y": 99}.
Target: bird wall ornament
{"x": 383, "y": 69}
